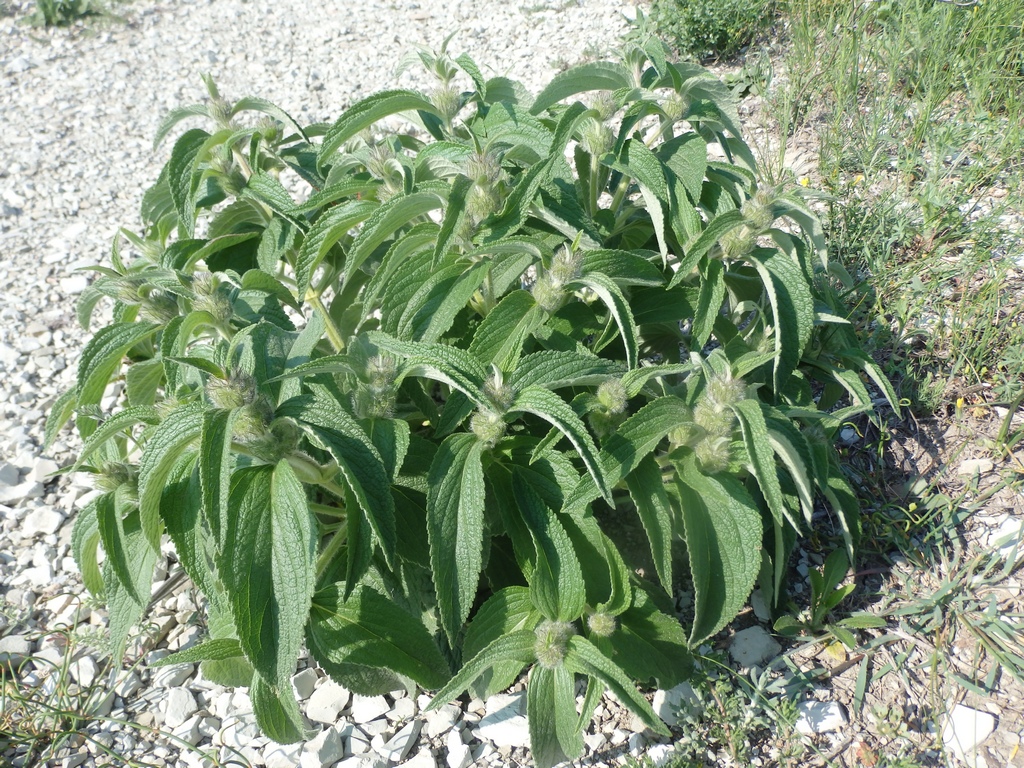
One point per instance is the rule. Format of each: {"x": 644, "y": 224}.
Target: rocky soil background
{"x": 79, "y": 108}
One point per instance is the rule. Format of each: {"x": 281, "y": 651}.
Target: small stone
{"x": 753, "y": 646}
{"x": 14, "y": 649}
{"x": 397, "y": 747}
{"x": 327, "y": 702}
{"x": 965, "y": 729}
{"x": 172, "y": 676}
{"x": 84, "y": 670}
{"x": 181, "y": 705}
{"x": 367, "y": 708}
{"x": 668, "y": 704}
{"x": 422, "y": 759}
{"x": 595, "y": 741}
{"x": 128, "y": 686}
{"x": 660, "y": 754}
{"x": 282, "y": 755}
{"x": 9, "y": 475}
{"x": 326, "y": 748}
{"x": 20, "y": 64}
{"x": 458, "y": 754}
{"x": 402, "y": 710}
{"x": 504, "y": 722}
{"x": 74, "y": 284}
{"x": 975, "y": 466}
{"x": 848, "y": 435}
{"x": 819, "y": 717}
{"x": 42, "y": 469}
{"x": 188, "y": 731}
{"x": 303, "y": 683}
{"x": 15, "y": 494}
{"x": 761, "y": 610}
{"x": 636, "y": 742}
{"x": 1007, "y": 537}
{"x": 441, "y": 720}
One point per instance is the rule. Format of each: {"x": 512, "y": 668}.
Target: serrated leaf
{"x": 792, "y": 308}
{"x": 430, "y": 317}
{"x": 791, "y": 447}
{"x": 181, "y": 511}
{"x": 551, "y": 408}
{"x": 584, "y": 658}
{"x": 453, "y": 366}
{"x": 555, "y": 735}
{"x": 267, "y": 565}
{"x": 555, "y": 369}
{"x": 455, "y": 526}
{"x": 112, "y": 534}
{"x": 360, "y": 464}
{"x": 623, "y": 267}
{"x": 182, "y": 178}
{"x": 754, "y": 430}
{"x": 101, "y": 359}
{"x": 115, "y": 425}
{"x": 164, "y": 447}
{"x": 635, "y": 438}
{"x": 60, "y": 412}
{"x": 723, "y": 540}
{"x": 687, "y": 156}
{"x": 209, "y": 650}
{"x": 617, "y": 305}
{"x": 556, "y": 586}
{"x": 713, "y": 232}
{"x": 500, "y": 336}
{"x": 328, "y": 230}
{"x": 255, "y": 104}
{"x": 514, "y": 647}
{"x": 85, "y": 538}
{"x": 454, "y": 213}
{"x": 142, "y": 380}
{"x": 709, "y": 302}
{"x": 506, "y": 611}
{"x": 216, "y": 464}
{"x": 647, "y": 489}
{"x": 125, "y": 610}
{"x": 277, "y": 711}
{"x": 370, "y": 630}
{"x": 594, "y": 76}
{"x": 381, "y": 225}
{"x": 175, "y": 116}
{"x": 638, "y": 162}
{"x": 365, "y": 113}
{"x": 651, "y": 646}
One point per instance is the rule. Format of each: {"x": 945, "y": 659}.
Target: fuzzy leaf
{"x": 555, "y": 735}
{"x": 595, "y": 76}
{"x": 183, "y": 179}
{"x": 647, "y": 489}
{"x": 333, "y": 225}
{"x": 514, "y": 647}
{"x": 723, "y": 539}
{"x": 85, "y": 538}
{"x": 370, "y": 630}
{"x": 611, "y": 295}
{"x": 455, "y": 526}
{"x": 396, "y": 213}
{"x": 759, "y": 450}
{"x": 210, "y": 650}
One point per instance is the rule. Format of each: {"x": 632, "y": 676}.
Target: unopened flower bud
{"x": 757, "y": 213}
{"x": 159, "y": 307}
{"x": 613, "y": 396}
{"x": 238, "y": 390}
{"x": 714, "y": 420}
{"x": 448, "y": 101}
{"x": 713, "y": 454}
{"x": 596, "y": 138}
{"x": 738, "y": 242}
{"x": 675, "y": 106}
{"x": 602, "y": 624}
{"x": 548, "y": 294}
{"x": 115, "y": 474}
{"x": 552, "y": 642}
{"x": 488, "y": 426}
{"x": 724, "y": 391}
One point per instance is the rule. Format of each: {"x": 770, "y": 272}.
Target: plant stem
{"x": 333, "y": 546}
{"x": 332, "y": 330}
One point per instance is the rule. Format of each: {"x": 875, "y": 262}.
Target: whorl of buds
{"x": 488, "y": 426}
{"x": 605, "y": 104}
{"x": 596, "y": 138}
{"x": 724, "y": 391}
{"x": 552, "y": 642}
{"x": 548, "y": 293}
{"x": 220, "y": 112}
{"x": 280, "y": 440}
{"x": 270, "y": 129}
{"x": 613, "y": 396}
{"x": 374, "y": 397}
{"x": 717, "y": 422}
{"x": 448, "y": 101}
{"x": 675, "y": 106}
{"x": 236, "y": 391}
{"x": 500, "y": 393}
{"x": 602, "y": 624}
{"x": 757, "y": 212}
{"x": 738, "y": 242}
{"x": 713, "y": 454}
{"x": 117, "y": 475}
{"x": 210, "y": 296}
{"x": 159, "y": 307}
{"x": 229, "y": 175}
{"x": 549, "y": 290}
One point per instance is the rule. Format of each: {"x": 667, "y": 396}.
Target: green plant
{"x": 403, "y": 420}
{"x": 711, "y": 29}
{"x": 51, "y": 13}
{"x": 826, "y": 595}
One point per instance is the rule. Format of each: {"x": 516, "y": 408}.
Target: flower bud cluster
{"x": 757, "y": 217}
{"x": 549, "y": 290}
{"x": 602, "y": 624}
{"x": 596, "y": 137}
{"x": 374, "y": 397}
{"x": 118, "y": 476}
{"x": 210, "y": 295}
{"x": 277, "y": 441}
{"x": 159, "y": 307}
{"x": 488, "y": 426}
{"x": 552, "y": 642}
{"x": 612, "y": 400}
{"x": 229, "y": 174}
{"x": 448, "y": 101}
{"x": 486, "y": 195}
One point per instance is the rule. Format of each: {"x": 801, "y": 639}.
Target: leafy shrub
{"x": 56, "y": 13}
{"x": 405, "y": 419}
{"x": 706, "y": 29}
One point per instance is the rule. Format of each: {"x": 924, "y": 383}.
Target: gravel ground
{"x": 79, "y": 108}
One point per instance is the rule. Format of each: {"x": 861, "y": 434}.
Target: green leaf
{"x": 216, "y": 464}
{"x": 165, "y": 445}
{"x": 637, "y": 161}
{"x": 555, "y": 735}
{"x": 370, "y": 630}
{"x": 210, "y": 650}
{"x": 687, "y": 156}
{"x": 365, "y": 113}
{"x": 255, "y": 104}
{"x": 500, "y": 336}
{"x": 723, "y": 540}
{"x": 584, "y": 658}
{"x": 181, "y": 511}
{"x": 709, "y": 302}
{"x": 60, "y": 412}
{"x": 360, "y": 464}
{"x": 111, "y": 528}
{"x": 430, "y": 317}
{"x": 647, "y": 489}
{"x": 328, "y": 230}
{"x": 455, "y": 526}
{"x": 715, "y": 230}
{"x": 555, "y": 369}
{"x": 101, "y": 359}
{"x": 792, "y": 307}
{"x": 759, "y": 450}
{"x": 554, "y": 410}
{"x": 612, "y": 296}
{"x": 454, "y": 213}
{"x": 125, "y": 610}
{"x": 595, "y": 76}
{"x": 115, "y": 425}
{"x": 396, "y": 213}
{"x": 623, "y": 267}
{"x": 514, "y": 647}
{"x": 650, "y": 645}
{"x": 85, "y": 538}
{"x": 450, "y": 365}
{"x": 277, "y": 711}
{"x": 556, "y": 586}
{"x": 183, "y": 179}
{"x": 506, "y": 611}
{"x": 267, "y": 565}
{"x": 636, "y": 437}
{"x": 175, "y": 116}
